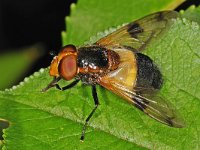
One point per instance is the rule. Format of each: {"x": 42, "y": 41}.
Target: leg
{"x": 70, "y": 85}
{"x": 54, "y": 84}
{"x": 96, "y": 102}
{"x": 51, "y": 84}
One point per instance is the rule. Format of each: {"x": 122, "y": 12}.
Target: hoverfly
{"x": 115, "y": 63}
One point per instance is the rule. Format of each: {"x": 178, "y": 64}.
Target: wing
{"x": 122, "y": 82}
{"x": 138, "y": 33}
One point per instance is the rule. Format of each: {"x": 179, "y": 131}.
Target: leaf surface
{"x": 54, "y": 120}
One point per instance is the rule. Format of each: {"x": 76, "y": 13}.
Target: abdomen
{"x": 148, "y": 74}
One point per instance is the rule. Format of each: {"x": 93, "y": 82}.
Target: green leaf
{"x": 192, "y": 13}
{"x": 90, "y": 17}
{"x": 54, "y": 120}
{"x": 14, "y": 64}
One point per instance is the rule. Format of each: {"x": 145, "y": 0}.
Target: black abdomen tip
{"x": 148, "y": 74}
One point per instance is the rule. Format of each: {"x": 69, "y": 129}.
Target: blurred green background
{"x": 29, "y": 30}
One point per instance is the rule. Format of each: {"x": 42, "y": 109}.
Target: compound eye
{"x": 68, "y": 48}
{"x": 68, "y": 67}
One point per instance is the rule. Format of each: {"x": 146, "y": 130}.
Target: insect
{"x": 115, "y": 63}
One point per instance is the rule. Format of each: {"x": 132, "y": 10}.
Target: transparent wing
{"x": 152, "y": 105}
{"x": 137, "y": 34}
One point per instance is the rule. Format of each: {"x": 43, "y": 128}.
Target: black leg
{"x": 96, "y": 101}
{"x": 51, "y": 84}
{"x": 55, "y": 84}
{"x": 70, "y": 85}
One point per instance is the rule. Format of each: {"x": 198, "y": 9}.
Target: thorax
{"x": 96, "y": 61}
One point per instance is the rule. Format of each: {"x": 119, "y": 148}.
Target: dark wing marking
{"x": 138, "y": 33}
{"x": 159, "y": 109}
{"x": 154, "y": 106}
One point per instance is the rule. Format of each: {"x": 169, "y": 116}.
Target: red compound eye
{"x": 68, "y": 67}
